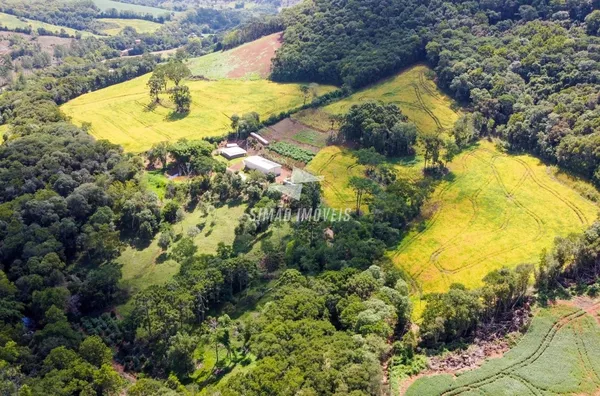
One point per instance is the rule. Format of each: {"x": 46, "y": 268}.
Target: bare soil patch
{"x": 255, "y": 57}
{"x": 288, "y": 129}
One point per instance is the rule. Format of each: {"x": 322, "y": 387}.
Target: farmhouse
{"x": 262, "y": 165}
{"x": 233, "y": 152}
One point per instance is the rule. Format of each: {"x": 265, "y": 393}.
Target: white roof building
{"x": 233, "y": 152}
{"x": 263, "y": 165}
{"x": 259, "y": 138}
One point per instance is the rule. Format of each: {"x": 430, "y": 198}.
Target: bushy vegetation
{"x": 291, "y": 151}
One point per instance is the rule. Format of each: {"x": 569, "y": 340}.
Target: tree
{"x": 592, "y": 23}
{"x": 180, "y": 95}
{"x": 451, "y": 151}
{"x": 160, "y": 152}
{"x": 176, "y": 71}
{"x": 381, "y": 126}
{"x": 305, "y": 89}
{"x": 157, "y": 84}
{"x": 361, "y": 186}
{"x": 95, "y": 352}
{"x": 432, "y": 142}
{"x": 450, "y": 316}
{"x": 370, "y": 158}
{"x": 6, "y": 65}
{"x": 180, "y": 354}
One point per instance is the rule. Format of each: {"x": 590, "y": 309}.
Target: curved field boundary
{"x": 524, "y": 361}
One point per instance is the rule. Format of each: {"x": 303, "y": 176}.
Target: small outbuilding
{"x": 259, "y": 138}
{"x": 233, "y": 152}
{"x": 263, "y": 165}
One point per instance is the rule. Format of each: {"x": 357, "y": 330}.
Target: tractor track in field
{"x": 538, "y": 220}
{"x": 426, "y": 109}
{"x": 583, "y": 354}
{"x": 578, "y": 212}
{"x": 328, "y": 162}
{"x": 473, "y": 198}
{"x": 426, "y": 87}
{"x": 531, "y": 387}
{"x": 336, "y": 192}
{"x": 439, "y": 199}
{"x": 524, "y": 361}
{"x": 440, "y": 195}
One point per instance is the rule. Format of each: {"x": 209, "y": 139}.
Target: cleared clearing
{"x": 146, "y": 267}
{"x": 492, "y": 210}
{"x": 120, "y": 113}
{"x": 418, "y": 97}
{"x": 560, "y": 354}
{"x": 249, "y": 61}
{"x": 12, "y": 22}
{"x": 114, "y": 26}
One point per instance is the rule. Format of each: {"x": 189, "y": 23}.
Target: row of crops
{"x": 291, "y": 151}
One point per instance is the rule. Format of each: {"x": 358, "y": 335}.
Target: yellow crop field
{"x": 121, "y": 113}
{"x": 492, "y": 210}
{"x": 418, "y": 98}
{"x": 115, "y": 25}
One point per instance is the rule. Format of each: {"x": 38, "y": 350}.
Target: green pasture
{"x": 114, "y": 26}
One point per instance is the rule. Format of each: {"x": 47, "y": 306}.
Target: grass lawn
{"x": 120, "y": 113}
{"x": 492, "y": 210}
{"x": 143, "y": 268}
{"x": 560, "y": 354}
{"x": 11, "y": 22}
{"x": 418, "y": 98}
{"x": 115, "y": 25}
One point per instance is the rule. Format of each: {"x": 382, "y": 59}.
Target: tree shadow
{"x": 174, "y": 116}
{"x": 164, "y": 256}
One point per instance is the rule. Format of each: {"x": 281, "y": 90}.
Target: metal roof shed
{"x": 233, "y": 152}
{"x": 262, "y": 165}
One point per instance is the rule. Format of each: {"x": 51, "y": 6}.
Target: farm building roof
{"x": 233, "y": 152}
{"x": 261, "y": 162}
